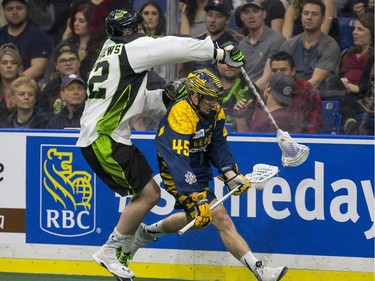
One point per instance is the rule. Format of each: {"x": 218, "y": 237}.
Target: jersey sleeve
{"x": 147, "y": 52}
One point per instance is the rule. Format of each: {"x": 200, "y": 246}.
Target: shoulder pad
{"x": 182, "y": 118}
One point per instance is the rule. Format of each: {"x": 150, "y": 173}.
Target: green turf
{"x": 53, "y": 277}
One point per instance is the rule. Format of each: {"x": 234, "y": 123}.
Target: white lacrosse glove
{"x": 237, "y": 180}
{"x": 230, "y": 55}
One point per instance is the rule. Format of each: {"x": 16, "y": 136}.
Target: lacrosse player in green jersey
{"x": 116, "y": 97}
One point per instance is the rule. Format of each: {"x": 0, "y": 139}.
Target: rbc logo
{"x": 67, "y": 193}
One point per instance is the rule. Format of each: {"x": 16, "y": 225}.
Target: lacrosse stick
{"x": 259, "y": 176}
{"x": 293, "y": 154}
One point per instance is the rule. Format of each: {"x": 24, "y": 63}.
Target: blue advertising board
{"x": 323, "y": 207}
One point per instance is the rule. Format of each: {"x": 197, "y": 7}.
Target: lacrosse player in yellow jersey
{"x": 116, "y": 97}
{"x": 190, "y": 140}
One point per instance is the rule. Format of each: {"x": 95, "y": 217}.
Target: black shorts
{"x": 123, "y": 168}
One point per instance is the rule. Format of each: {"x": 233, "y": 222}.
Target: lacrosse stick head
{"x": 293, "y": 154}
{"x": 261, "y": 174}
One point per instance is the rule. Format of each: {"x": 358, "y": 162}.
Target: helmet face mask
{"x": 208, "y": 88}
{"x": 125, "y": 22}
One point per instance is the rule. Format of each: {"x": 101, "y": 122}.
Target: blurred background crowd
{"x": 321, "y": 51}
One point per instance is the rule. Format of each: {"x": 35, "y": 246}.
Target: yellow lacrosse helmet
{"x": 205, "y": 84}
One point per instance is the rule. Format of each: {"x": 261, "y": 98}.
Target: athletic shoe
{"x": 141, "y": 237}
{"x": 107, "y": 257}
{"x": 122, "y": 257}
{"x": 266, "y": 273}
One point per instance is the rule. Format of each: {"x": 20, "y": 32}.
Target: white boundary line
{"x": 168, "y": 256}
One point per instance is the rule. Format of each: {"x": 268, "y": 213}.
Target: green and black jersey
{"x": 116, "y": 88}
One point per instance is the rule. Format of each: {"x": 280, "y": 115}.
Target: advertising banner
{"x": 323, "y": 207}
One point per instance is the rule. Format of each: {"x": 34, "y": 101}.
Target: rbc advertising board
{"x": 323, "y": 207}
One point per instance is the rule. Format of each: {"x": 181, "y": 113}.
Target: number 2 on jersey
{"x": 98, "y": 93}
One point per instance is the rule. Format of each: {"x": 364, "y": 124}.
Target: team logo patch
{"x": 190, "y": 178}
{"x": 199, "y": 134}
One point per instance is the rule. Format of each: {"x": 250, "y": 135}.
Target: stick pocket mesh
{"x": 293, "y": 154}
{"x": 261, "y": 174}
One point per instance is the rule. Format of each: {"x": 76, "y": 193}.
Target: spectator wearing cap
{"x": 26, "y": 114}
{"x": 73, "y": 96}
{"x": 260, "y": 44}
{"x": 278, "y": 99}
{"x": 307, "y": 105}
{"x": 217, "y": 20}
{"x": 31, "y": 41}
{"x": 66, "y": 62}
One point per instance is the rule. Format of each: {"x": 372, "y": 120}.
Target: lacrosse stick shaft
{"x": 259, "y": 98}
{"x": 217, "y": 203}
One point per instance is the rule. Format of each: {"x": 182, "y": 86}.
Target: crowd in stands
{"x": 298, "y": 55}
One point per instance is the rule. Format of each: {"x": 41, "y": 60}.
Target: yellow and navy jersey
{"x": 188, "y": 145}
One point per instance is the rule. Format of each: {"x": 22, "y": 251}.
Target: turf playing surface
{"x": 53, "y": 277}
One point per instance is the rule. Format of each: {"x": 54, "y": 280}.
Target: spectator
{"x": 139, "y": 3}
{"x": 362, "y": 121}
{"x": 2, "y": 18}
{"x": 316, "y": 54}
{"x": 307, "y": 105}
{"x": 355, "y": 62}
{"x": 278, "y": 99}
{"x": 355, "y": 8}
{"x": 193, "y": 17}
{"x": 50, "y": 16}
{"x": 293, "y": 24}
{"x": 261, "y": 43}
{"x": 217, "y": 20}
{"x": 154, "y": 17}
{"x": 32, "y": 42}
{"x": 101, "y": 8}
{"x": 66, "y": 62}
{"x": 10, "y": 69}
{"x": 235, "y": 90}
{"x": 275, "y": 11}
{"x": 73, "y": 95}
{"x": 86, "y": 38}
{"x": 26, "y": 115}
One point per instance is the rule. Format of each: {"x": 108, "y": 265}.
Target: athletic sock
{"x": 118, "y": 240}
{"x": 155, "y": 230}
{"x": 249, "y": 260}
